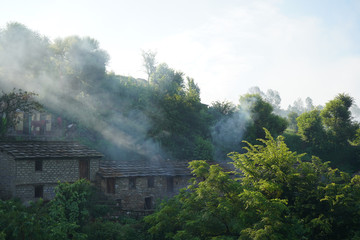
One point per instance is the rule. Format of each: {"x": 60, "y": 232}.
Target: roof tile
{"x": 50, "y": 149}
{"x": 143, "y": 168}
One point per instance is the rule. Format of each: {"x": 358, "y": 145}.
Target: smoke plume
{"x": 69, "y": 75}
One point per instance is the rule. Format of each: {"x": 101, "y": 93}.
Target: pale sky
{"x": 304, "y": 48}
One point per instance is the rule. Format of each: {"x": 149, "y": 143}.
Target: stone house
{"x": 31, "y": 169}
{"x": 137, "y": 185}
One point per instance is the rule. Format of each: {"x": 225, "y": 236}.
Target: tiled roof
{"x": 143, "y": 168}
{"x": 150, "y": 168}
{"x": 47, "y": 149}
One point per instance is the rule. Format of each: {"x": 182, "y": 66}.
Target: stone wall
{"x": 134, "y": 199}
{"x": 27, "y": 192}
{"x": 53, "y": 171}
{"x": 63, "y": 170}
{"x": 7, "y": 176}
{"x": 94, "y": 168}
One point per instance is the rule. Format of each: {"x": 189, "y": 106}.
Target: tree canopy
{"x": 272, "y": 194}
{"x": 134, "y": 118}
{"x": 13, "y": 102}
{"x": 331, "y": 133}
{"x": 337, "y": 119}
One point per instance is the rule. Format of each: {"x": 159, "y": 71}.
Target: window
{"x": 84, "y": 169}
{"x": 170, "y": 184}
{"x": 148, "y": 203}
{"x": 110, "y": 185}
{"x": 39, "y": 191}
{"x": 150, "y": 181}
{"x": 132, "y": 182}
{"x": 38, "y": 165}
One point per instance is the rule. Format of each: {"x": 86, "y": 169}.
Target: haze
{"x": 299, "y": 48}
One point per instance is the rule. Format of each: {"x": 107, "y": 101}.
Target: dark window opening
{"x": 132, "y": 182}
{"x": 39, "y": 191}
{"x": 148, "y": 203}
{"x": 84, "y": 169}
{"x": 38, "y": 165}
{"x": 170, "y": 184}
{"x": 110, "y": 185}
{"x": 150, "y": 181}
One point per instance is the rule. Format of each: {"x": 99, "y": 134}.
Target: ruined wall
{"x": 134, "y": 198}
{"x": 7, "y": 176}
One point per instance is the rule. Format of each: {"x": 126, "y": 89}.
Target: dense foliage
{"x": 330, "y": 133}
{"x": 11, "y": 103}
{"x": 72, "y": 214}
{"x": 272, "y": 194}
{"x": 121, "y": 116}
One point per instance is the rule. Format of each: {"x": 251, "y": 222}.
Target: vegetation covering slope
{"x": 275, "y": 192}
{"x": 272, "y": 194}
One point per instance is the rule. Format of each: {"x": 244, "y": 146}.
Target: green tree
{"x": 183, "y": 120}
{"x": 276, "y": 196}
{"x": 217, "y": 206}
{"x": 168, "y": 81}
{"x": 69, "y": 210}
{"x": 24, "y": 54}
{"x": 356, "y": 141}
{"x": 337, "y": 119}
{"x": 123, "y": 228}
{"x": 80, "y": 63}
{"x": 261, "y": 116}
{"x": 19, "y": 222}
{"x": 11, "y": 103}
{"x": 204, "y": 149}
{"x": 192, "y": 90}
{"x": 311, "y": 128}
{"x": 318, "y": 196}
{"x": 292, "y": 116}
{"x": 330, "y": 133}
{"x": 178, "y": 117}
{"x": 65, "y": 217}
{"x": 221, "y": 109}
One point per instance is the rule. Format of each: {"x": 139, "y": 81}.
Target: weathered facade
{"x": 139, "y": 185}
{"x": 34, "y": 123}
{"x": 31, "y": 169}
{"x": 41, "y": 126}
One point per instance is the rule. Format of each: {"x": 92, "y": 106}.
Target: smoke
{"x": 229, "y": 131}
{"x": 69, "y": 75}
